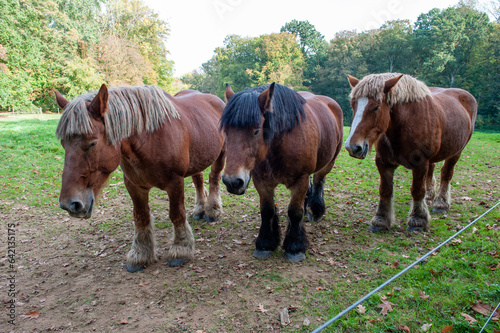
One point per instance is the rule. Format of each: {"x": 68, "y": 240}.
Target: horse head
{"x": 246, "y": 143}
{"x": 89, "y": 157}
{"x": 371, "y": 118}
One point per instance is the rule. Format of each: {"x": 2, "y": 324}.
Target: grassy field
{"x": 436, "y": 295}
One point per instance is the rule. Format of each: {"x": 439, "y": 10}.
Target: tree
{"x": 313, "y": 46}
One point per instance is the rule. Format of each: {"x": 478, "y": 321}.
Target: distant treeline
{"x": 454, "y": 47}
{"x": 75, "y": 46}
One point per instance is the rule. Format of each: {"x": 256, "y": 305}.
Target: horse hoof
{"x": 295, "y": 257}
{"x": 261, "y": 254}
{"x": 134, "y": 269}
{"x": 198, "y": 217}
{"x": 177, "y": 262}
{"x": 439, "y": 210}
{"x": 417, "y": 229}
{"x": 209, "y": 219}
{"x": 312, "y": 218}
{"x": 373, "y": 228}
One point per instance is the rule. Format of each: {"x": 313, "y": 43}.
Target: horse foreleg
{"x": 442, "y": 201}
{"x": 269, "y": 232}
{"x": 213, "y": 207}
{"x": 384, "y": 217}
{"x": 295, "y": 243}
{"x": 182, "y": 248}
{"x": 143, "y": 246}
{"x": 430, "y": 184}
{"x": 419, "y": 213}
{"x": 201, "y": 196}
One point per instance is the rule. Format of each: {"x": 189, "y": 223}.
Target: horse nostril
{"x": 357, "y": 149}
{"x": 238, "y": 183}
{"x": 75, "y": 206}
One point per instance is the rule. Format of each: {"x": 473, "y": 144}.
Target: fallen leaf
{"x": 32, "y": 315}
{"x": 485, "y": 309}
{"x": 456, "y": 241}
{"x": 395, "y": 265}
{"x": 261, "y": 308}
{"x": 468, "y": 318}
{"x": 306, "y": 322}
{"x": 425, "y": 327}
{"x": 405, "y": 328}
{"x": 386, "y": 307}
{"x": 284, "y": 317}
{"x": 141, "y": 284}
{"x": 447, "y": 328}
{"x": 422, "y": 295}
{"x": 124, "y": 322}
{"x": 360, "y": 309}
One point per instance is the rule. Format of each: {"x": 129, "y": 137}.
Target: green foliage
{"x": 250, "y": 61}
{"x": 75, "y": 46}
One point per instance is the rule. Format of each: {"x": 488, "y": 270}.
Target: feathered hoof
{"x": 177, "y": 262}
{"x": 262, "y": 254}
{"x": 312, "y": 218}
{"x": 439, "y": 210}
{"x": 417, "y": 229}
{"x": 295, "y": 257}
{"x": 134, "y": 269}
{"x": 374, "y": 228}
{"x": 209, "y": 219}
{"x": 198, "y": 217}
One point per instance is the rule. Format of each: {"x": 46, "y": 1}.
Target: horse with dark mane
{"x": 158, "y": 140}
{"x": 411, "y": 125}
{"x": 279, "y": 136}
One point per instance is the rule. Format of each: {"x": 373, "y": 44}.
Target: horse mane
{"x": 243, "y": 111}
{"x": 131, "y": 109}
{"x": 408, "y": 89}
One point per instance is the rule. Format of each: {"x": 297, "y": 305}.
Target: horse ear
{"x": 61, "y": 101}
{"x": 352, "y": 80}
{"x": 228, "y": 93}
{"x": 266, "y": 99}
{"x": 99, "y": 104}
{"x": 389, "y": 84}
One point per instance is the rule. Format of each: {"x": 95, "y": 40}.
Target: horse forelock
{"x": 408, "y": 89}
{"x": 243, "y": 111}
{"x": 130, "y": 110}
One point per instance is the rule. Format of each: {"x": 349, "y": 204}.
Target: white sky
{"x": 199, "y": 26}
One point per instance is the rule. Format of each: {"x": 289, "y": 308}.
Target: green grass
{"x": 459, "y": 274}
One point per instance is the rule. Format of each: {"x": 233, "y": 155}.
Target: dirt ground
{"x": 70, "y": 272}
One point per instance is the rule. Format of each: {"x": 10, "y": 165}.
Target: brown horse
{"x": 278, "y": 136}
{"x": 414, "y": 126}
{"x": 158, "y": 140}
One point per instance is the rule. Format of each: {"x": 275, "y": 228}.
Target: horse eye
{"x": 92, "y": 144}
{"x": 377, "y": 108}
{"x": 256, "y": 132}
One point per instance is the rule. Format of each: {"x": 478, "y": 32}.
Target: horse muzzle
{"x": 236, "y": 184}
{"x": 77, "y": 208}
{"x": 358, "y": 150}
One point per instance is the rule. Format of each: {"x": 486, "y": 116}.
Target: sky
{"x": 197, "y": 27}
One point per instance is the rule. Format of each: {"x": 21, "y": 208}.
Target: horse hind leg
{"x": 143, "y": 251}
{"x": 430, "y": 184}
{"x": 442, "y": 202}
{"x": 201, "y": 197}
{"x": 315, "y": 204}
{"x": 213, "y": 206}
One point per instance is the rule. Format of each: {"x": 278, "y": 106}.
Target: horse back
{"x": 456, "y": 104}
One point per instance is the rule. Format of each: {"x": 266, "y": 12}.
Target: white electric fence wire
{"x": 492, "y": 314}
{"x": 361, "y": 300}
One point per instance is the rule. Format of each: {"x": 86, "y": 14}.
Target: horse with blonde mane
{"x": 158, "y": 140}
{"x": 411, "y": 125}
